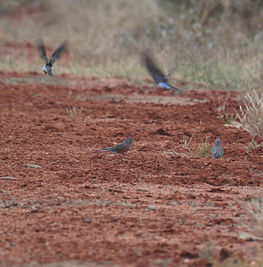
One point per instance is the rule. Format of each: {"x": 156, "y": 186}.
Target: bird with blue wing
{"x": 48, "y": 67}
{"x": 160, "y": 79}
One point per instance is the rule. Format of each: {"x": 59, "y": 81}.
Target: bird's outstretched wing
{"x": 58, "y": 52}
{"x": 156, "y": 73}
{"x": 42, "y": 50}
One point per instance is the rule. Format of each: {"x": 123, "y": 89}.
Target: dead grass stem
{"x": 251, "y": 113}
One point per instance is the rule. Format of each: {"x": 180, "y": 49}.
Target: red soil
{"x": 159, "y": 203}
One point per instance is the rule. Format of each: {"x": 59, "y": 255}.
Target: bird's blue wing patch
{"x": 44, "y": 68}
{"x": 164, "y": 85}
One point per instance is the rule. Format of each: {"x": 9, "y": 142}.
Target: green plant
{"x": 203, "y": 149}
{"x": 229, "y": 119}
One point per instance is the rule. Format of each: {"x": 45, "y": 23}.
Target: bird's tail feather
{"x": 104, "y": 149}
{"x": 174, "y": 88}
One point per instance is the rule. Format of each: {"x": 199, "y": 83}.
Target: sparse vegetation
{"x": 203, "y": 149}
{"x": 222, "y": 258}
{"x": 254, "y": 224}
{"x": 187, "y": 143}
{"x": 208, "y": 251}
{"x": 229, "y": 119}
{"x": 253, "y": 145}
{"x": 74, "y": 112}
{"x": 193, "y": 38}
{"x": 251, "y": 113}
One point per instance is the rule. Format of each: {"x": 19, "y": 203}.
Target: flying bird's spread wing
{"x": 154, "y": 70}
{"x": 42, "y": 51}
{"x": 57, "y": 53}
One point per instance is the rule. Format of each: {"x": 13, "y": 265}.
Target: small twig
{"x": 7, "y": 178}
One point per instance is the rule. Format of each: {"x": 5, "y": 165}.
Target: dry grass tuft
{"x": 74, "y": 112}
{"x": 251, "y": 116}
{"x": 254, "y": 224}
{"x": 203, "y": 149}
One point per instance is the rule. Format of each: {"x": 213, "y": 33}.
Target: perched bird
{"x": 48, "y": 67}
{"x": 120, "y": 148}
{"x": 160, "y": 79}
{"x": 217, "y": 150}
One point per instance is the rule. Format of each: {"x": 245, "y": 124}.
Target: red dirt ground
{"x": 158, "y": 205}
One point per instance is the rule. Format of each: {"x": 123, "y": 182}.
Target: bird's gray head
{"x": 129, "y": 140}
{"x": 217, "y": 141}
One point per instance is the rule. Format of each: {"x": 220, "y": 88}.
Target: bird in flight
{"x": 48, "y": 67}
{"x": 160, "y": 79}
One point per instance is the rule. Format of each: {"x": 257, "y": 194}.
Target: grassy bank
{"x": 217, "y": 44}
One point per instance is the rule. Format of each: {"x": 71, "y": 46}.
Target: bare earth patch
{"x": 158, "y": 204}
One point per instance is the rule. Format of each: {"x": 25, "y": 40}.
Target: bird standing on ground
{"x": 120, "y": 148}
{"x": 217, "y": 150}
{"x": 160, "y": 79}
{"x": 48, "y": 67}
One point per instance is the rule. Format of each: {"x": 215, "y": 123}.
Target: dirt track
{"x": 158, "y": 204}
